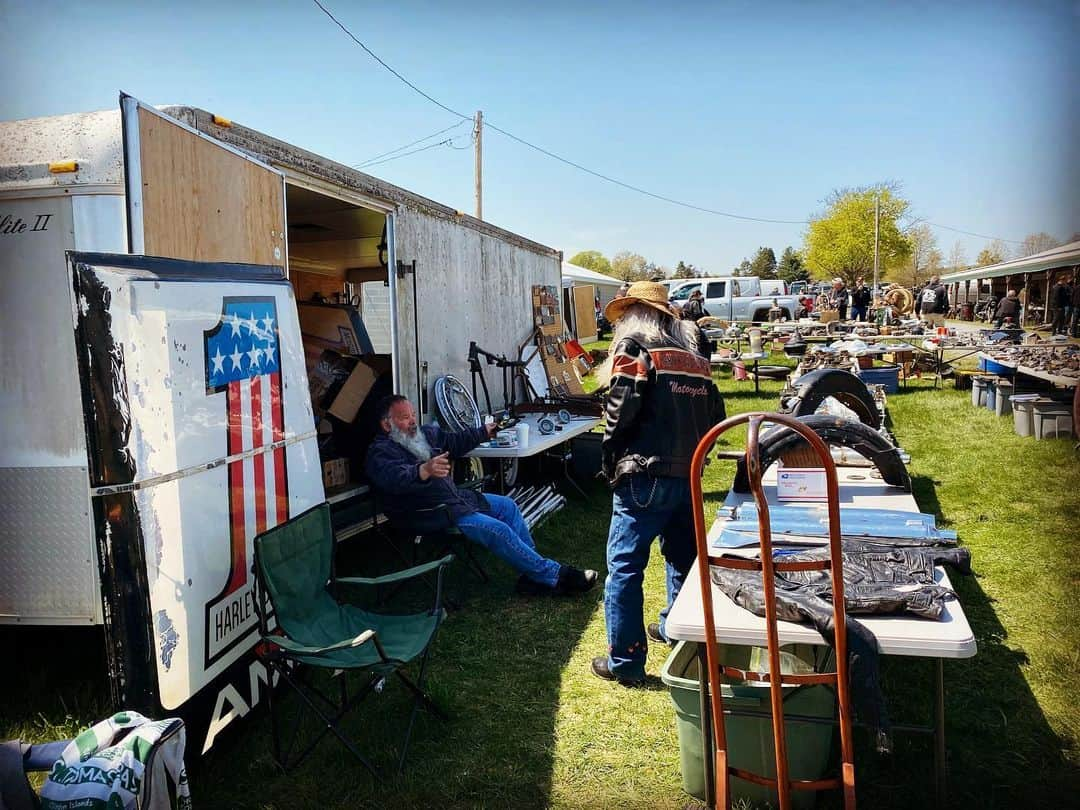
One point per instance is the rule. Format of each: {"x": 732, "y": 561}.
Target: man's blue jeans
{"x": 642, "y": 509}
{"x": 503, "y": 532}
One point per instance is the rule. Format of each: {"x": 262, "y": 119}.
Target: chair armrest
{"x": 397, "y": 576}
{"x": 296, "y": 648}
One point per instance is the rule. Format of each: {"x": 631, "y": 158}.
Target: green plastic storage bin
{"x": 750, "y": 740}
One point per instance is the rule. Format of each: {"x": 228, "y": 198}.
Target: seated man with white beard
{"x": 409, "y": 465}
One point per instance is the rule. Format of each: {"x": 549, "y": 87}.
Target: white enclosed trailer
{"x": 118, "y": 472}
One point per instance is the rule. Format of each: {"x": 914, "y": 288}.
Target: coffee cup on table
{"x": 522, "y": 430}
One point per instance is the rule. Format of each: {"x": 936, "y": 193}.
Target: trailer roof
{"x": 1059, "y": 257}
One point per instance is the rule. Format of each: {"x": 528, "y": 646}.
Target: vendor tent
{"x": 574, "y": 280}
{"x": 1033, "y": 274}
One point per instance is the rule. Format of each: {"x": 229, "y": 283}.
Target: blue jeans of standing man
{"x": 503, "y": 532}
{"x": 642, "y": 509}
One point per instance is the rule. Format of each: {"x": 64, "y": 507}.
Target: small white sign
{"x": 800, "y": 484}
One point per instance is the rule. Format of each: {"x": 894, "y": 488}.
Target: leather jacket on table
{"x": 878, "y": 579}
{"x": 662, "y": 400}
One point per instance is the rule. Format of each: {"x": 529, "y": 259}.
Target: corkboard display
{"x": 550, "y": 336}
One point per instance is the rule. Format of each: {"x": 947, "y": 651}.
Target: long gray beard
{"x": 417, "y": 445}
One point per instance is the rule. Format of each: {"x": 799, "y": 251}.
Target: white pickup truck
{"x": 736, "y": 299}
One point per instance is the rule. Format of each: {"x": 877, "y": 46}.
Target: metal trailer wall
{"x": 470, "y": 286}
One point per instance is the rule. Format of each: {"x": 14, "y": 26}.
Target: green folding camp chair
{"x": 313, "y": 628}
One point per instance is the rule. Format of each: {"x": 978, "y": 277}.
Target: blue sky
{"x": 759, "y": 109}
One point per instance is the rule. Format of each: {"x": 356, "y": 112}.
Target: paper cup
{"x": 522, "y": 431}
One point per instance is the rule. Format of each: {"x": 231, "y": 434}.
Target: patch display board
{"x": 561, "y": 373}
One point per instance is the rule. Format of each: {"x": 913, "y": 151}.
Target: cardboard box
{"x": 352, "y": 394}
{"x": 829, "y": 315}
{"x": 335, "y": 473}
{"x": 337, "y": 327}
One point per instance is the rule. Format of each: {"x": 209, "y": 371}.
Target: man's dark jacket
{"x": 1007, "y": 308}
{"x": 395, "y": 474}
{"x": 694, "y": 309}
{"x": 662, "y": 400}
{"x": 941, "y": 300}
{"x": 860, "y": 297}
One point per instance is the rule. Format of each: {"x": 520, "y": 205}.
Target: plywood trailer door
{"x": 190, "y": 196}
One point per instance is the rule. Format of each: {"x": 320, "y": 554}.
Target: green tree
{"x": 1036, "y": 243}
{"x": 629, "y": 266}
{"x": 593, "y": 260}
{"x": 791, "y": 267}
{"x": 763, "y": 265}
{"x": 685, "y": 270}
{"x": 743, "y": 269}
{"x": 840, "y": 241}
{"x": 994, "y": 253}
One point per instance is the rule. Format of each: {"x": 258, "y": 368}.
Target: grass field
{"x": 531, "y": 727}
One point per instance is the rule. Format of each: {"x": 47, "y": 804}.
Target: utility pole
{"x": 478, "y": 140}
{"x": 877, "y": 218}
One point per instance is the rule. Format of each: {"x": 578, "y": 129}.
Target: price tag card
{"x": 800, "y": 483}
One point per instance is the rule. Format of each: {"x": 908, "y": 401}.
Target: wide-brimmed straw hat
{"x": 641, "y": 292}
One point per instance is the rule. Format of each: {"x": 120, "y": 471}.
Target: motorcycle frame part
{"x": 511, "y": 371}
{"x": 812, "y": 388}
{"x": 717, "y": 755}
{"x": 865, "y": 441}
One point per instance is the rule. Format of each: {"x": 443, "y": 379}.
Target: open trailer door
{"x": 190, "y": 196}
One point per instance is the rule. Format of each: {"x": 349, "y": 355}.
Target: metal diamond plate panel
{"x": 48, "y": 572}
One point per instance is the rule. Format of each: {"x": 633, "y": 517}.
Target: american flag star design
{"x": 243, "y": 359}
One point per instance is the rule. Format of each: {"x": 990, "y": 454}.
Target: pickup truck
{"x": 735, "y": 299}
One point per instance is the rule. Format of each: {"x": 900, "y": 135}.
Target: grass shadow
{"x": 496, "y": 668}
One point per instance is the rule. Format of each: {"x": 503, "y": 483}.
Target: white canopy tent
{"x": 604, "y": 288}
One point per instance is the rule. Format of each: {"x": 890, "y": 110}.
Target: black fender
{"x": 812, "y": 388}
{"x": 835, "y": 432}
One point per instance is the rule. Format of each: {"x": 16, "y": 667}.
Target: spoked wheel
{"x": 457, "y": 408}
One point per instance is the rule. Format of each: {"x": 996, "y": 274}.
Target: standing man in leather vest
{"x": 662, "y": 400}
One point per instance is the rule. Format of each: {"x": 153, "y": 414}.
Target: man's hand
{"x": 492, "y": 429}
{"x": 436, "y": 466}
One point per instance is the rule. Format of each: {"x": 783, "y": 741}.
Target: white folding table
{"x": 951, "y": 637}
{"x": 537, "y": 442}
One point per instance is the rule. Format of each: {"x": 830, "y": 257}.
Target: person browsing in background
{"x": 1074, "y": 317}
{"x": 860, "y": 301}
{"x": 839, "y": 298}
{"x": 695, "y": 307}
{"x": 1061, "y": 300}
{"x": 409, "y": 466}
{"x": 1007, "y": 308}
{"x": 934, "y": 301}
{"x": 661, "y": 401}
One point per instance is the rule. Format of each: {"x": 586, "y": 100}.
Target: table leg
{"x": 940, "y": 774}
{"x": 757, "y": 379}
{"x": 705, "y": 706}
{"x": 566, "y": 473}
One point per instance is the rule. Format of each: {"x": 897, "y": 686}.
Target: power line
{"x": 446, "y": 142}
{"x": 969, "y": 233}
{"x": 585, "y": 169}
{"x": 371, "y": 53}
{"x": 640, "y": 190}
{"x": 406, "y": 146}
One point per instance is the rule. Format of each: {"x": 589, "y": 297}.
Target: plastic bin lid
{"x": 1024, "y": 397}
